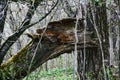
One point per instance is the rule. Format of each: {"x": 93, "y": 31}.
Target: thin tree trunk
{"x": 119, "y": 34}
{"x": 3, "y": 13}
{"x": 12, "y": 39}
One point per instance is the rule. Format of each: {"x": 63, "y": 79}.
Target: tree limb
{"x": 3, "y": 13}
{"x": 45, "y": 51}
{"x": 22, "y": 59}
{"x": 11, "y": 39}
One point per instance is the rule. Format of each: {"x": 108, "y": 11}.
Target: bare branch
{"x": 25, "y": 25}
{"x": 43, "y": 54}
{"x": 3, "y": 12}
{"x": 67, "y": 8}
{"x": 12, "y": 39}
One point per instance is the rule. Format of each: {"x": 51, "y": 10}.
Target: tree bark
{"x": 3, "y": 13}
{"x": 25, "y": 25}
{"x": 35, "y": 54}
{"x": 12, "y": 39}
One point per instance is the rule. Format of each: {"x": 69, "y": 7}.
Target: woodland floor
{"x": 52, "y": 74}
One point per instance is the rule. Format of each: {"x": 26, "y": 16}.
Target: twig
{"x": 39, "y": 43}
{"x": 43, "y": 16}
{"x": 7, "y": 44}
{"x": 100, "y": 42}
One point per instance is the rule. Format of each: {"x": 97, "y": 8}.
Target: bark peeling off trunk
{"x": 46, "y": 50}
{"x": 43, "y": 47}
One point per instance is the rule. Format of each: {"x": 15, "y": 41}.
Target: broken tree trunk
{"x": 43, "y": 47}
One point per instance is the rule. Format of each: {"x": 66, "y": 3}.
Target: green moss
{"x": 8, "y": 69}
{"x": 16, "y": 57}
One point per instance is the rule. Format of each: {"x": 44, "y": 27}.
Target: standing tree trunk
{"x": 118, "y": 1}
{"x": 3, "y": 13}
{"x": 101, "y": 22}
{"x": 12, "y": 39}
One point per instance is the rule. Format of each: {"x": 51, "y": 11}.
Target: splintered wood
{"x": 62, "y": 31}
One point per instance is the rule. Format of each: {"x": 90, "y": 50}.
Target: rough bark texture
{"x": 101, "y": 22}
{"x": 12, "y": 39}
{"x": 3, "y": 12}
{"x": 40, "y": 50}
{"x": 25, "y": 25}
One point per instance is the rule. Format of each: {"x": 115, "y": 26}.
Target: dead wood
{"x": 40, "y": 50}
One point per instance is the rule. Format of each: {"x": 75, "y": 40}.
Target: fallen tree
{"x": 45, "y": 45}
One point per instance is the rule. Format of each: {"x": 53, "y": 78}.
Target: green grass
{"x": 52, "y": 74}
